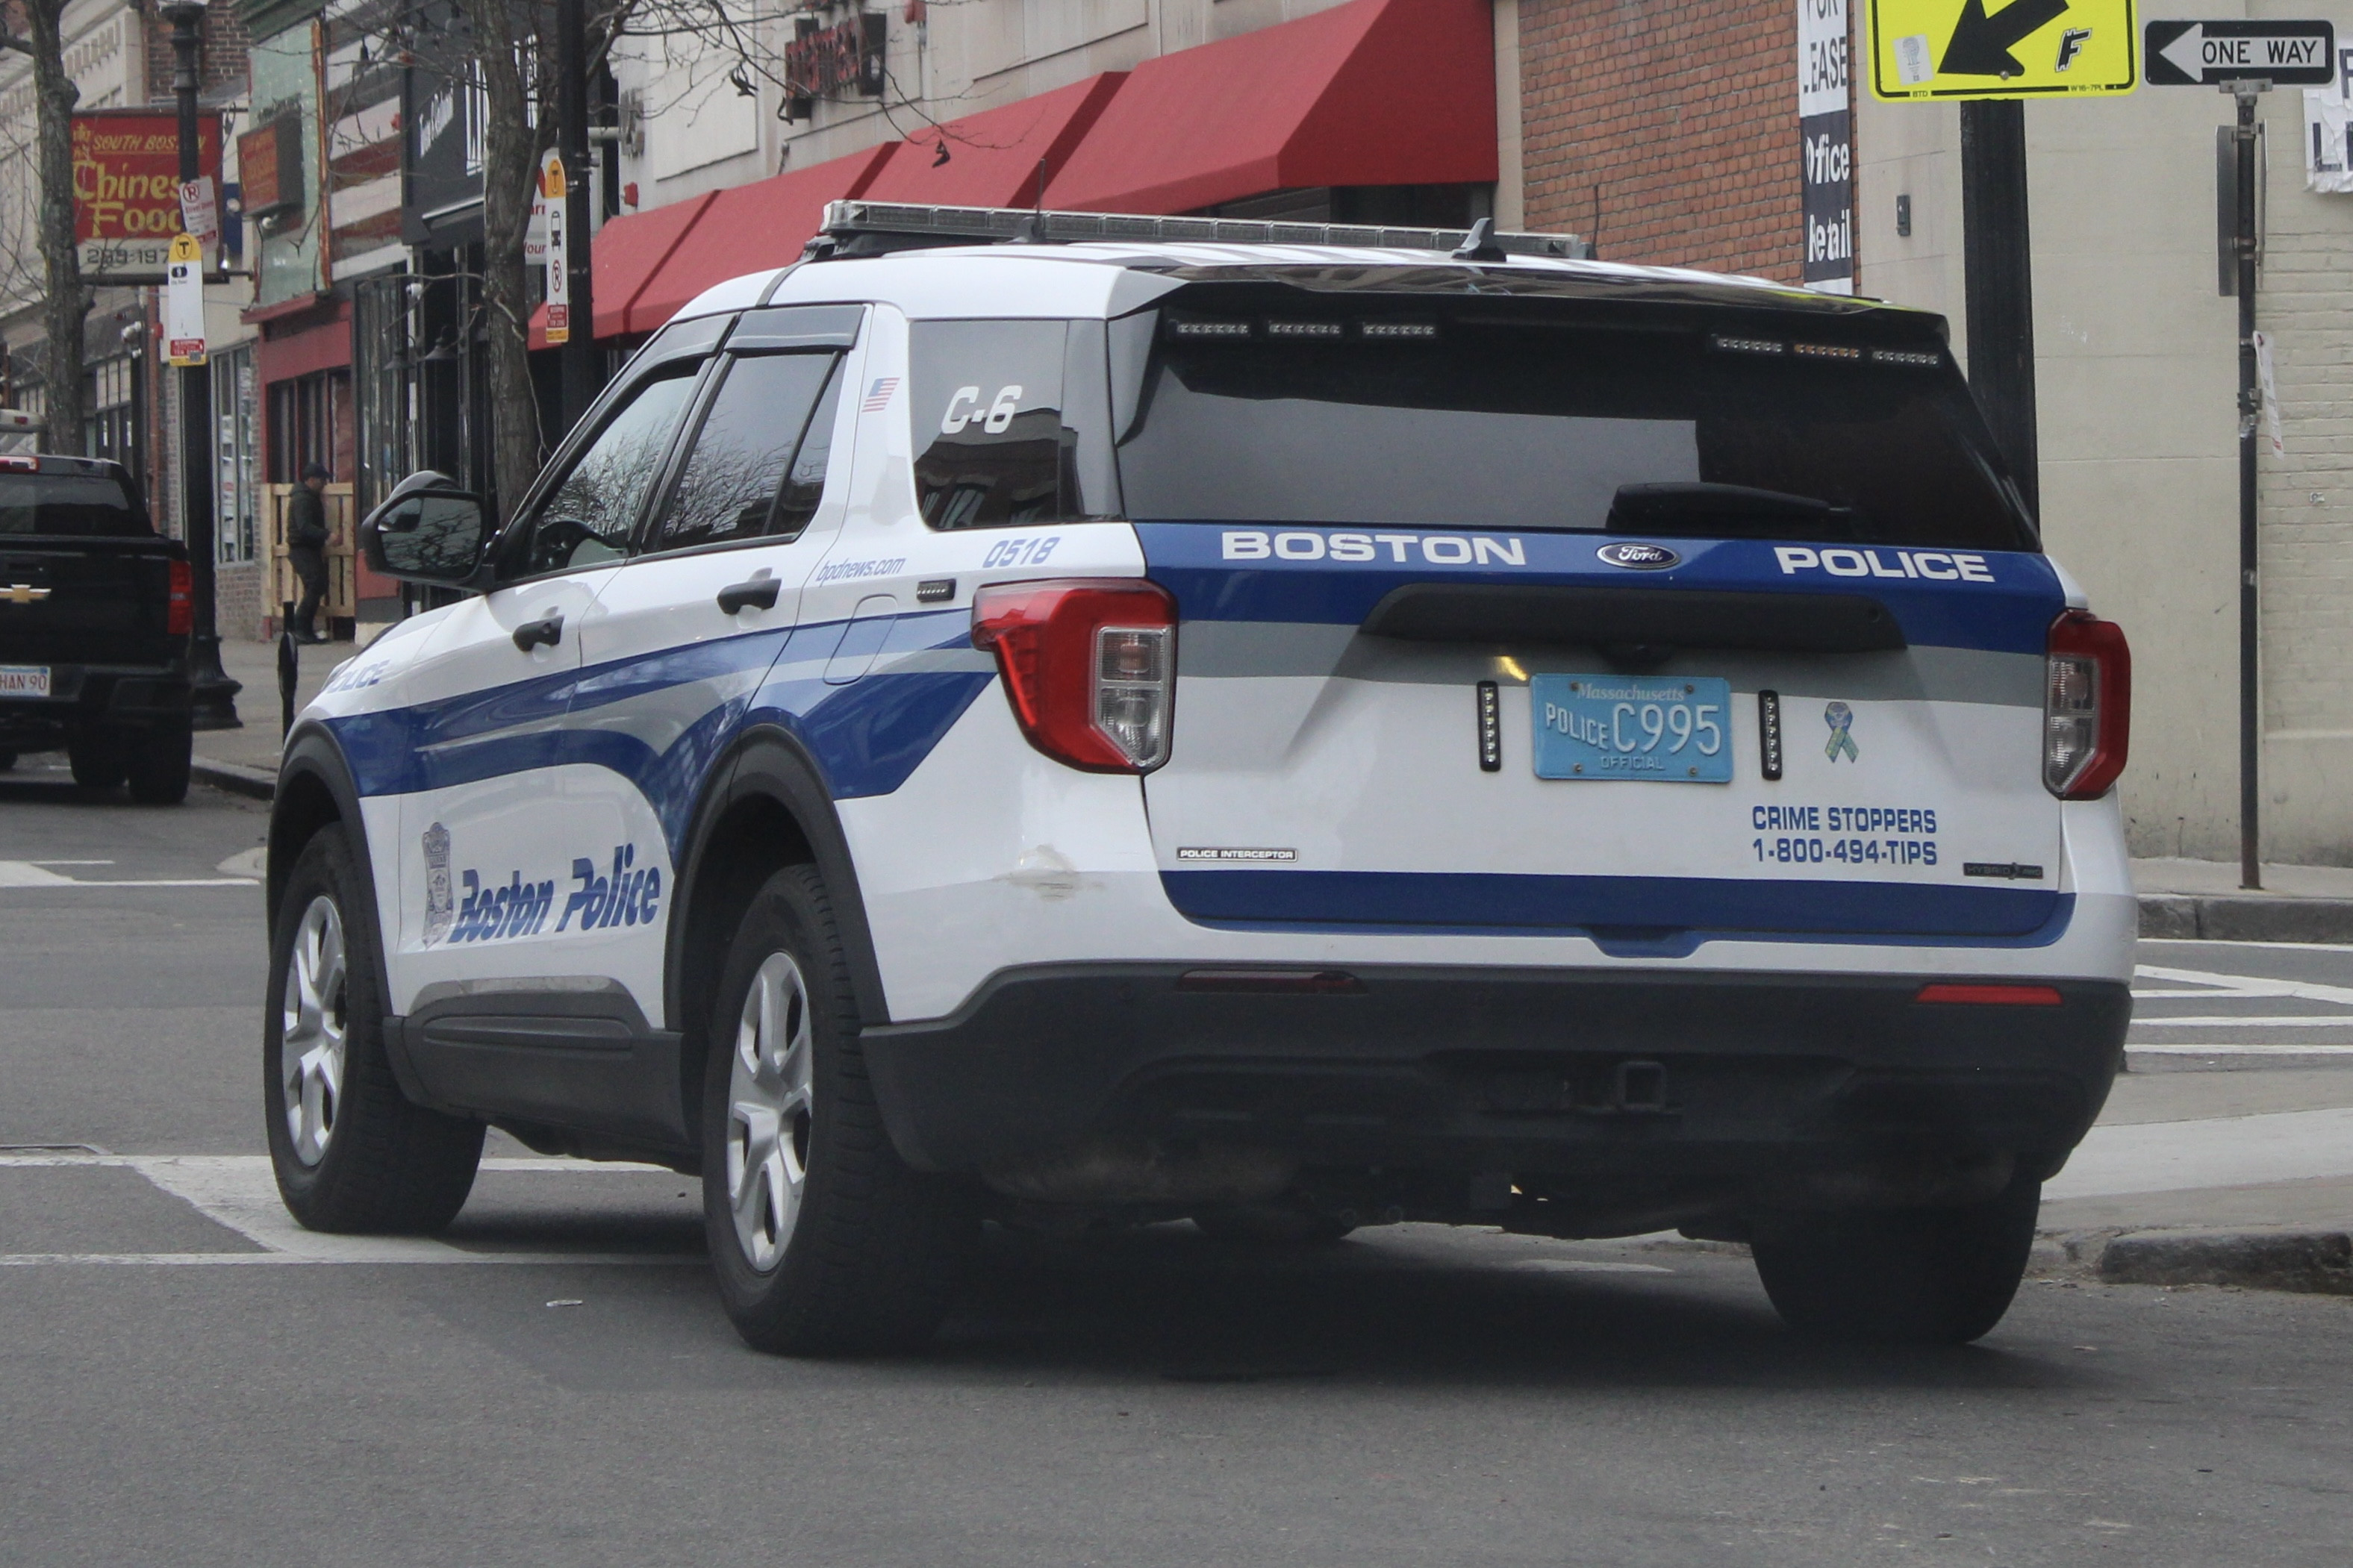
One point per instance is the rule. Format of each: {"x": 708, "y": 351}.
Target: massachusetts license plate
{"x": 1667, "y": 729}
{"x": 24, "y": 680}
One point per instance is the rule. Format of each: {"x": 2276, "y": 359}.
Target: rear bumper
{"x": 129, "y": 697}
{"x": 1475, "y": 1069}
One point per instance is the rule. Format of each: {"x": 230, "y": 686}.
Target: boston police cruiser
{"x": 1050, "y": 715}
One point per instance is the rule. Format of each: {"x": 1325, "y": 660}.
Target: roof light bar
{"x": 855, "y": 227}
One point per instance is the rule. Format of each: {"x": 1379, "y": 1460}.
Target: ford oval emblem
{"x": 1640, "y": 557}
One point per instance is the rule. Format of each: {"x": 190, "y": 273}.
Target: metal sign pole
{"x": 2250, "y": 410}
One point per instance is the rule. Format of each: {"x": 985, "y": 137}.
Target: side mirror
{"x": 427, "y": 531}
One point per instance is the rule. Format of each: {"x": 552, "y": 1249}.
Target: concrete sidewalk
{"x": 2212, "y": 1178}
{"x": 245, "y": 760}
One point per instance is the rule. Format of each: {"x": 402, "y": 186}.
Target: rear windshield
{"x": 73, "y": 506}
{"x": 1439, "y": 422}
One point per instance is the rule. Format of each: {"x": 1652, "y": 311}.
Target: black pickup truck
{"x": 95, "y": 611}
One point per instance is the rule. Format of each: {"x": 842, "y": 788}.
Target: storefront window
{"x": 236, "y": 468}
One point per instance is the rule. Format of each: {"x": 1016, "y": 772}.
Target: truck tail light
{"x": 2086, "y": 706}
{"x": 1090, "y": 665}
{"x": 179, "y": 605}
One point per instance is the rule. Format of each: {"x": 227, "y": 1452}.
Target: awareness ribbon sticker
{"x": 1840, "y": 718}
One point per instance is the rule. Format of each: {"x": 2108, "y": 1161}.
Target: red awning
{"x": 628, "y": 252}
{"x": 1374, "y": 92}
{"x": 992, "y": 156}
{"x": 750, "y": 228}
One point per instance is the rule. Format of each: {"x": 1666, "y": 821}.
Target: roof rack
{"x": 870, "y": 228}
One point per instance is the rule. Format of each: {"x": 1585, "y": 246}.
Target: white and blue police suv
{"x": 1136, "y": 723}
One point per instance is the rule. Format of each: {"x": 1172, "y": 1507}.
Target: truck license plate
{"x": 24, "y": 680}
{"x": 1667, "y": 729}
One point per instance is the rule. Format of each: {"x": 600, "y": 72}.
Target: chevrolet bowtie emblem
{"x": 24, "y": 593}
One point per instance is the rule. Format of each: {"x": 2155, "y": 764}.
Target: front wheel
{"x": 1942, "y": 1276}
{"x": 351, "y": 1151}
{"x": 824, "y": 1240}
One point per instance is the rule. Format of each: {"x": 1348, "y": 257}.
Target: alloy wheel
{"x": 315, "y": 1029}
{"x": 770, "y": 1095}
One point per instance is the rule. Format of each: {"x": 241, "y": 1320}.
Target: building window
{"x": 112, "y": 429}
{"x": 236, "y": 465}
{"x": 311, "y": 421}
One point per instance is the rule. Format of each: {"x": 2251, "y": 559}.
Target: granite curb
{"x": 2317, "y": 1261}
{"x": 237, "y": 778}
{"x": 2212, "y": 918}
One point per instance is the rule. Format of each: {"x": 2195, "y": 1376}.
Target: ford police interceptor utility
{"x": 1294, "y": 728}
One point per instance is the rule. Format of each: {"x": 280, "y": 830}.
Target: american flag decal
{"x": 878, "y": 396}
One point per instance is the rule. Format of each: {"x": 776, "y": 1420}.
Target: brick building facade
{"x": 1667, "y": 133}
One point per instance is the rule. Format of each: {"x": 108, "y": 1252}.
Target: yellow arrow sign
{"x": 2025, "y": 48}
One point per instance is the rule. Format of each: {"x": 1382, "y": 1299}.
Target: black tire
{"x": 384, "y": 1166}
{"x": 158, "y": 766}
{"x": 863, "y": 1249}
{"x": 98, "y": 759}
{"x": 1900, "y": 1275}
{"x": 1270, "y": 1225}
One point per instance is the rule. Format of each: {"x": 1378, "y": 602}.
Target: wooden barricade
{"x": 341, "y": 601}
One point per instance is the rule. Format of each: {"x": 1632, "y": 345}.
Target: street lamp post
{"x": 214, "y": 703}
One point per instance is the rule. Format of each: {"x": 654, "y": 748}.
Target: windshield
{"x": 1430, "y": 422}
{"x": 69, "y": 505}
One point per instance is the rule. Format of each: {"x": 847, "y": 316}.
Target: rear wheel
{"x": 824, "y": 1240}
{"x": 1899, "y": 1276}
{"x": 351, "y": 1151}
{"x": 158, "y": 766}
{"x": 98, "y": 759}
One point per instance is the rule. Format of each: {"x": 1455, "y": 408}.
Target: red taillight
{"x": 1090, "y": 666}
{"x": 180, "y": 608}
{"x": 2086, "y": 706}
{"x": 1992, "y": 995}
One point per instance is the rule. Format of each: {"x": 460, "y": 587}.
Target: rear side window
{"x": 71, "y": 506}
{"x": 1440, "y": 421}
{"x": 1002, "y": 423}
{"x": 733, "y": 483}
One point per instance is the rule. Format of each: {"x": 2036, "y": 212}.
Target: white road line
{"x": 2211, "y": 941}
{"x": 2243, "y": 1021}
{"x": 2249, "y": 985}
{"x": 241, "y": 1192}
{"x": 450, "y": 1255}
{"x": 2236, "y": 1048}
{"x": 2216, "y": 1152}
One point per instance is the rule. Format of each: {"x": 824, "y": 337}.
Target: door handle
{"x": 533, "y": 634}
{"x": 760, "y": 591}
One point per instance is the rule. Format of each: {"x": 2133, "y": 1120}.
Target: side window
{"x": 729, "y": 487}
{"x": 586, "y": 519}
{"x": 805, "y": 485}
{"x": 995, "y": 447}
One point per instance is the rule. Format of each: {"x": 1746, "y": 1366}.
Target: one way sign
{"x": 2206, "y": 54}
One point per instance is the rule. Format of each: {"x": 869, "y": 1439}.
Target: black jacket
{"x": 306, "y": 524}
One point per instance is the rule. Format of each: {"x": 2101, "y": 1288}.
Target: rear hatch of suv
{"x": 84, "y": 578}
{"x": 1681, "y": 615}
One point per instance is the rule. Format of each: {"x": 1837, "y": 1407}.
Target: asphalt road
{"x": 554, "y": 1382}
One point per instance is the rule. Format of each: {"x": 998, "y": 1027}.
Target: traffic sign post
{"x": 2245, "y": 59}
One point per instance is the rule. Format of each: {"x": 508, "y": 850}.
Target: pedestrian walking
{"x": 306, "y": 549}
